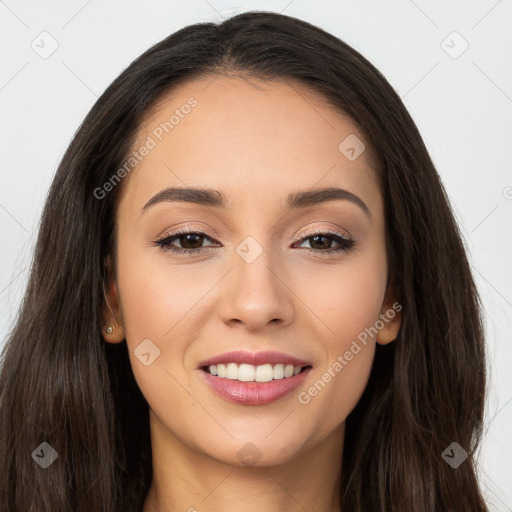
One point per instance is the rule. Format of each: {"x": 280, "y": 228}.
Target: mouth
{"x": 253, "y": 378}
{"x": 251, "y": 373}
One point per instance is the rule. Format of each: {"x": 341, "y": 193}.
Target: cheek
{"x": 154, "y": 295}
{"x": 348, "y": 302}
{"x": 348, "y": 352}
{"x": 153, "y": 307}
{"x": 337, "y": 387}
{"x": 347, "y": 298}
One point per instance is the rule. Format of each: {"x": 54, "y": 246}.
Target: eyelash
{"x": 165, "y": 242}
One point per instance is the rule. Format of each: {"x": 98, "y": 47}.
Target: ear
{"x": 112, "y": 311}
{"x": 390, "y": 316}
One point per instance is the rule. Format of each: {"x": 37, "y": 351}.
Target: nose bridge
{"x": 254, "y": 263}
{"x": 257, "y": 294}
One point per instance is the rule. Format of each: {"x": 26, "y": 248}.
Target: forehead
{"x": 248, "y": 138}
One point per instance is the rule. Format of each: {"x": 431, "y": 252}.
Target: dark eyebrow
{"x": 205, "y": 197}
{"x": 210, "y": 197}
{"x": 322, "y": 195}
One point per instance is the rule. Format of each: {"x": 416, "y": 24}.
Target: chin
{"x": 256, "y": 451}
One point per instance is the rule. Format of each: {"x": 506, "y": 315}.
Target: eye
{"x": 321, "y": 240}
{"x": 191, "y": 241}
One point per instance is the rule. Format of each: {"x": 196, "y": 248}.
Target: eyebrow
{"x": 214, "y": 198}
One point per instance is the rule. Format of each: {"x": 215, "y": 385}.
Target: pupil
{"x": 323, "y": 246}
{"x": 187, "y": 243}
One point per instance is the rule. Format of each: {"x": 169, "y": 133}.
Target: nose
{"x": 257, "y": 294}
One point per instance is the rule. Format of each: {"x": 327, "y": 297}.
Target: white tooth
{"x": 264, "y": 373}
{"x": 232, "y": 371}
{"x": 246, "y": 372}
{"x": 278, "y": 371}
{"x": 250, "y": 373}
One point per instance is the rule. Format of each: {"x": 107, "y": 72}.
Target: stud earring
{"x": 109, "y": 329}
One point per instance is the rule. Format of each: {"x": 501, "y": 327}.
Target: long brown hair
{"x": 60, "y": 383}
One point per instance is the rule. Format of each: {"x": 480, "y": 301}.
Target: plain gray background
{"x": 460, "y": 98}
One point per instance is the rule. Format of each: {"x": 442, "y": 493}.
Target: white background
{"x": 462, "y": 106}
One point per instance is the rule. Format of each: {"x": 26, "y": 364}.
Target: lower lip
{"x": 254, "y": 393}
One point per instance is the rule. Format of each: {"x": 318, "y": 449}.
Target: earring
{"x": 109, "y": 329}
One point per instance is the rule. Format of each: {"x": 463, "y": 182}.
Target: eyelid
{"x": 186, "y": 230}
{"x": 326, "y": 231}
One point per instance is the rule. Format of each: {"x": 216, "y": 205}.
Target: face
{"x": 306, "y": 280}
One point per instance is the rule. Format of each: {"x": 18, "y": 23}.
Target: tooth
{"x": 264, "y": 373}
{"x": 288, "y": 370}
{"x": 246, "y": 372}
{"x": 232, "y": 371}
{"x": 278, "y": 371}
{"x": 249, "y": 373}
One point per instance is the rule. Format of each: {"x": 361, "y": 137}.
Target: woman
{"x": 248, "y": 292}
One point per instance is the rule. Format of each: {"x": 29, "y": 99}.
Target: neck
{"x": 188, "y": 481}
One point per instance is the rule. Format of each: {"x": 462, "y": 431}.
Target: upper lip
{"x": 254, "y": 358}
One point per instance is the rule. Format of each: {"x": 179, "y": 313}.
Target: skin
{"x": 256, "y": 142}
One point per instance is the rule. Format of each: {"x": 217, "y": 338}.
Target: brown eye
{"x": 321, "y": 243}
{"x": 190, "y": 242}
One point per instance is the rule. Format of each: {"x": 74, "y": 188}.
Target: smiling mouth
{"x": 251, "y": 373}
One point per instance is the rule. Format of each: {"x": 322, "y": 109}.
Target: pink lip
{"x": 253, "y": 393}
{"x": 254, "y": 358}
